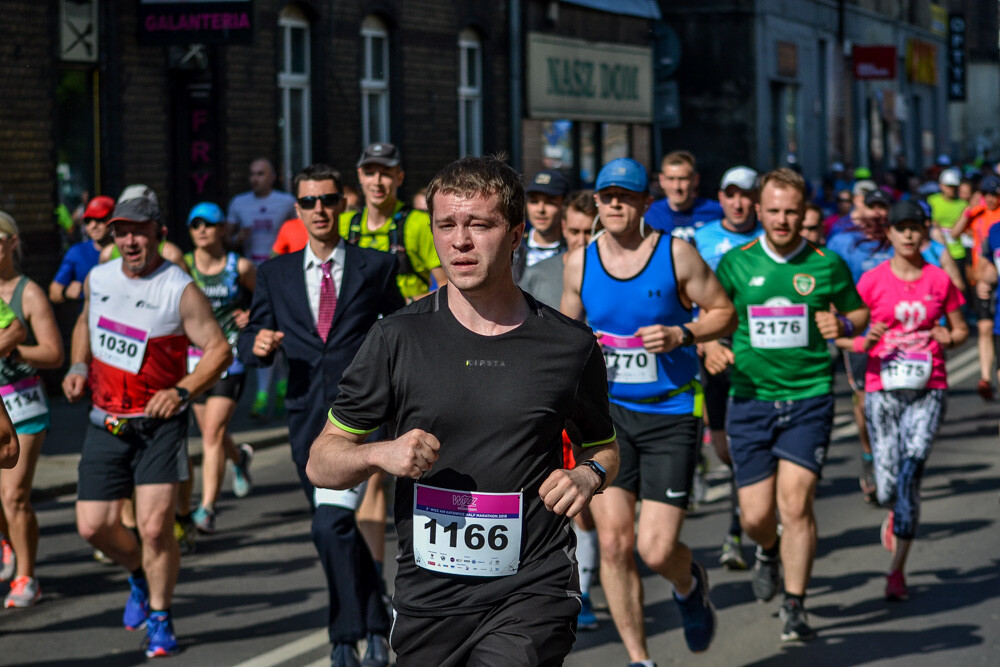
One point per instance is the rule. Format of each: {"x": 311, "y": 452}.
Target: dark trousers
{"x": 355, "y": 590}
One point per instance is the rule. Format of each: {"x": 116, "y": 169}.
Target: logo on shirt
{"x": 803, "y": 283}
{"x": 143, "y": 304}
{"x": 489, "y": 363}
{"x": 911, "y": 314}
{"x": 756, "y": 281}
{"x": 654, "y": 292}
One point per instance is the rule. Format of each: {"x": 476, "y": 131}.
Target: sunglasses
{"x": 198, "y": 223}
{"x": 328, "y": 201}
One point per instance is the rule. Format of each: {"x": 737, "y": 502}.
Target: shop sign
{"x": 193, "y": 21}
{"x": 571, "y": 78}
{"x": 921, "y": 62}
{"x": 956, "y": 57}
{"x": 78, "y": 31}
{"x": 939, "y": 20}
{"x": 874, "y": 62}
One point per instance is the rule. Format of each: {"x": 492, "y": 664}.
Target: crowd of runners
{"x": 536, "y": 368}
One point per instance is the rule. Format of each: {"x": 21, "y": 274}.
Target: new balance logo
{"x": 756, "y": 281}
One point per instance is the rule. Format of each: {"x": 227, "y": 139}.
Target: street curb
{"x": 260, "y": 439}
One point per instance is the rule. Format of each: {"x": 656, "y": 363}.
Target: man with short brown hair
{"x": 682, "y": 211}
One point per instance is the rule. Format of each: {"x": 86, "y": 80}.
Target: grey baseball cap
{"x": 137, "y": 203}
{"x": 382, "y": 153}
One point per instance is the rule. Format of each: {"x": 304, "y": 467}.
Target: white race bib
{"x": 627, "y": 360}
{"x": 24, "y": 399}
{"x": 119, "y": 345}
{"x": 465, "y": 532}
{"x": 349, "y": 499}
{"x": 906, "y": 370}
{"x": 775, "y": 327}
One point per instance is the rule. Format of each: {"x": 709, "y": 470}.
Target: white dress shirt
{"x": 313, "y": 267}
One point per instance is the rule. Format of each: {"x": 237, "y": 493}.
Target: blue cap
{"x": 207, "y": 211}
{"x": 624, "y": 173}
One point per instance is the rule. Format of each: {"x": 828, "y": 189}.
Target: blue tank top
{"x": 637, "y": 380}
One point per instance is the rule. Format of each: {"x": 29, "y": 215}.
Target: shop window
{"x": 470, "y": 94}
{"x": 294, "y": 87}
{"x": 375, "y": 81}
{"x": 615, "y": 142}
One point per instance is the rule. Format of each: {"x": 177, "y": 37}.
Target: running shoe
{"x": 732, "y": 553}
{"x": 160, "y": 639}
{"x": 766, "y": 577}
{"x": 259, "y": 408}
{"x": 344, "y": 655}
{"x": 697, "y": 612}
{"x": 242, "y": 484}
{"x": 102, "y": 557}
{"x": 377, "y": 652}
{"x": 137, "y": 607}
{"x": 867, "y": 479}
{"x": 586, "y": 620}
{"x": 8, "y": 564}
{"x": 796, "y": 629}
{"x": 24, "y": 592}
{"x": 895, "y": 587}
{"x": 185, "y": 534}
{"x": 985, "y": 390}
{"x": 888, "y": 539}
{"x": 204, "y": 520}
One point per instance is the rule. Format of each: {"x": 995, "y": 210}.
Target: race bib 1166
{"x": 465, "y": 532}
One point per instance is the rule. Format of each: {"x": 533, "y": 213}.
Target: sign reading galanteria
{"x": 571, "y": 78}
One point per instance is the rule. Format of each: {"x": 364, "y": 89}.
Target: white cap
{"x": 744, "y": 178}
{"x": 863, "y": 187}
{"x": 950, "y": 176}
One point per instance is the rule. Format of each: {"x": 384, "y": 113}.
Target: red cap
{"x": 99, "y": 208}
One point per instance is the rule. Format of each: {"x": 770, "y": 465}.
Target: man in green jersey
{"x": 781, "y": 402}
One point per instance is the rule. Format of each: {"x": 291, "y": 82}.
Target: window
{"x": 293, "y": 84}
{"x": 375, "y": 81}
{"x": 470, "y": 94}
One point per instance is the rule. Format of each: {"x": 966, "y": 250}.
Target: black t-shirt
{"x": 498, "y": 405}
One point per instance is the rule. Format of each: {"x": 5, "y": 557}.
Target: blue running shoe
{"x": 137, "y": 607}
{"x": 697, "y": 612}
{"x": 161, "y": 641}
{"x": 242, "y": 484}
{"x": 586, "y": 620}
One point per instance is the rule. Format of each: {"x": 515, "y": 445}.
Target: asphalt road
{"x": 254, "y": 593}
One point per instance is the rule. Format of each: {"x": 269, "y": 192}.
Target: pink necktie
{"x": 327, "y": 301}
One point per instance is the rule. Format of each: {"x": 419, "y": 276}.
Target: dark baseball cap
{"x": 137, "y": 203}
{"x": 907, "y": 210}
{"x": 549, "y": 182}
{"x": 878, "y": 196}
{"x": 382, "y": 153}
{"x": 990, "y": 185}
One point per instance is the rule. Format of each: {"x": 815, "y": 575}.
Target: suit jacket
{"x": 280, "y": 302}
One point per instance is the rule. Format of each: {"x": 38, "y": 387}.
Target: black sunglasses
{"x": 198, "y": 223}
{"x": 328, "y": 200}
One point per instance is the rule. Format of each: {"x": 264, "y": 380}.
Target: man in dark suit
{"x": 317, "y": 305}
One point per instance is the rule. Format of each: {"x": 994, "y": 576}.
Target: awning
{"x": 645, "y": 8}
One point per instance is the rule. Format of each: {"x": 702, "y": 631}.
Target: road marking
{"x": 288, "y": 651}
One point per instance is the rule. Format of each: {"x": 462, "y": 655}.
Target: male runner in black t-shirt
{"x": 480, "y": 380}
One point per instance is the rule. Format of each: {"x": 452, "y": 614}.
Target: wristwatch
{"x": 183, "y": 394}
{"x": 599, "y": 469}
{"x": 688, "y": 336}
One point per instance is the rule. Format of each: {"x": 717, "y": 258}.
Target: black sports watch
{"x": 599, "y": 469}
{"x": 688, "y": 339}
{"x": 183, "y": 394}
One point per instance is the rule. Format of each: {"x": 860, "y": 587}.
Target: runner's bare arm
{"x": 439, "y": 276}
{"x": 950, "y": 266}
{"x": 986, "y": 281}
{"x": 9, "y": 446}
{"x": 956, "y": 333}
{"x": 11, "y": 336}
{"x": 47, "y": 352}
{"x": 172, "y": 253}
{"x": 831, "y": 327}
{"x": 696, "y": 284}
{"x": 203, "y": 331}
{"x": 571, "y": 304}
{"x": 75, "y": 383}
{"x": 718, "y": 357}
{"x": 340, "y": 459}
{"x": 569, "y": 491}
